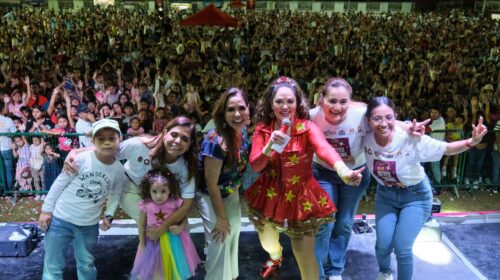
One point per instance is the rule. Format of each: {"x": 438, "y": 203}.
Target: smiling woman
{"x": 222, "y": 161}
{"x": 286, "y": 197}
{"x": 404, "y": 198}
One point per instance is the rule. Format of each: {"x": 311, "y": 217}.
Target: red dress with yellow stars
{"x": 286, "y": 194}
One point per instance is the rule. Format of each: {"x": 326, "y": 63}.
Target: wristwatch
{"x": 110, "y": 218}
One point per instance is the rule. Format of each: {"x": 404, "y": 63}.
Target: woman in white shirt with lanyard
{"x": 343, "y": 123}
{"x": 404, "y": 197}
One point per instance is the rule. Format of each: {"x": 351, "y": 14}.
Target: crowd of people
{"x": 66, "y": 72}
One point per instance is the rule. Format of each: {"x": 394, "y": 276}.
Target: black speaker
{"x": 18, "y": 240}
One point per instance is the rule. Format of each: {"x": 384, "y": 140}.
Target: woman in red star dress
{"x": 286, "y": 197}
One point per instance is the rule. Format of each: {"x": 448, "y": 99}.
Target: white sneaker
{"x": 475, "y": 185}
{"x": 466, "y": 181}
{"x": 334, "y": 277}
{"x": 384, "y": 276}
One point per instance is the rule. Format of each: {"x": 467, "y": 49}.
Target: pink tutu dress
{"x": 172, "y": 256}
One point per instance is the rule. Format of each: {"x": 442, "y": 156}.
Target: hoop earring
{"x": 271, "y": 115}
{"x": 224, "y": 125}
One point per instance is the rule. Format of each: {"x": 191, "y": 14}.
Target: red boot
{"x": 270, "y": 267}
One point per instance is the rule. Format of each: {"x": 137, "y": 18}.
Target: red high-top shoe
{"x": 270, "y": 267}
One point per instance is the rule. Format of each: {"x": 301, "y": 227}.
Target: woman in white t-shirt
{"x": 343, "y": 124}
{"x": 404, "y": 197}
{"x": 175, "y": 149}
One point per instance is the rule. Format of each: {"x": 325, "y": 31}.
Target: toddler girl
{"x": 36, "y": 162}
{"x": 174, "y": 255}
{"x": 135, "y": 128}
{"x": 21, "y": 151}
{"x": 160, "y": 120}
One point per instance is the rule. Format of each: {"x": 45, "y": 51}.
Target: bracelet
{"x": 467, "y": 144}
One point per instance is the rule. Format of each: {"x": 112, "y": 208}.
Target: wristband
{"x": 342, "y": 170}
{"x": 267, "y": 150}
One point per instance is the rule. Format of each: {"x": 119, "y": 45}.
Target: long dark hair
{"x": 222, "y": 128}
{"x": 159, "y": 154}
{"x": 264, "y": 111}
{"x": 162, "y": 176}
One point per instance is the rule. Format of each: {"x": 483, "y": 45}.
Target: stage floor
{"x": 468, "y": 250}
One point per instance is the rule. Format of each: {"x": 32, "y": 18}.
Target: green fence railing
{"x": 31, "y": 178}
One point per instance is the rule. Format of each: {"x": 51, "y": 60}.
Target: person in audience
{"x": 21, "y": 152}
{"x": 36, "y": 164}
{"x": 6, "y": 155}
{"x": 51, "y": 167}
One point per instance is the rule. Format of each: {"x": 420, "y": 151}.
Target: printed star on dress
{"x": 294, "y": 180}
{"x": 299, "y": 127}
{"x": 294, "y": 159}
{"x": 307, "y": 206}
{"x": 271, "y": 193}
{"x": 289, "y": 196}
{"x": 160, "y": 216}
{"x": 322, "y": 201}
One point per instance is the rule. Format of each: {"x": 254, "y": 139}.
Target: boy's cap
{"x": 82, "y": 108}
{"x": 105, "y": 123}
{"x": 488, "y": 87}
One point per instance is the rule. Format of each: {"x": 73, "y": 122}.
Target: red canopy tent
{"x": 237, "y": 5}
{"x": 210, "y": 16}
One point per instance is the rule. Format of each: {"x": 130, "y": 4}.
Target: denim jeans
{"x": 8, "y": 163}
{"x": 495, "y": 172}
{"x": 475, "y": 163}
{"x": 58, "y": 238}
{"x": 331, "y": 240}
{"x": 400, "y": 214}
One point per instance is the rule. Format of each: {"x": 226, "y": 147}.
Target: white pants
{"x": 222, "y": 258}
{"x": 130, "y": 200}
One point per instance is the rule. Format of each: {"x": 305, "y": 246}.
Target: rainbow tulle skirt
{"x": 166, "y": 259}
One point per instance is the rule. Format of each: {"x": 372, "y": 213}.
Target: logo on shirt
{"x": 94, "y": 186}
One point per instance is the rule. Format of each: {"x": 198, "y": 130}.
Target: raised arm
{"x": 53, "y": 98}
{"x": 478, "y": 132}
{"x": 67, "y": 100}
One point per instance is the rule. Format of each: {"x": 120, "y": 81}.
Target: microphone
{"x": 285, "y": 124}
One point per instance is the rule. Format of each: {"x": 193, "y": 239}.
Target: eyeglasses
{"x": 379, "y": 119}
